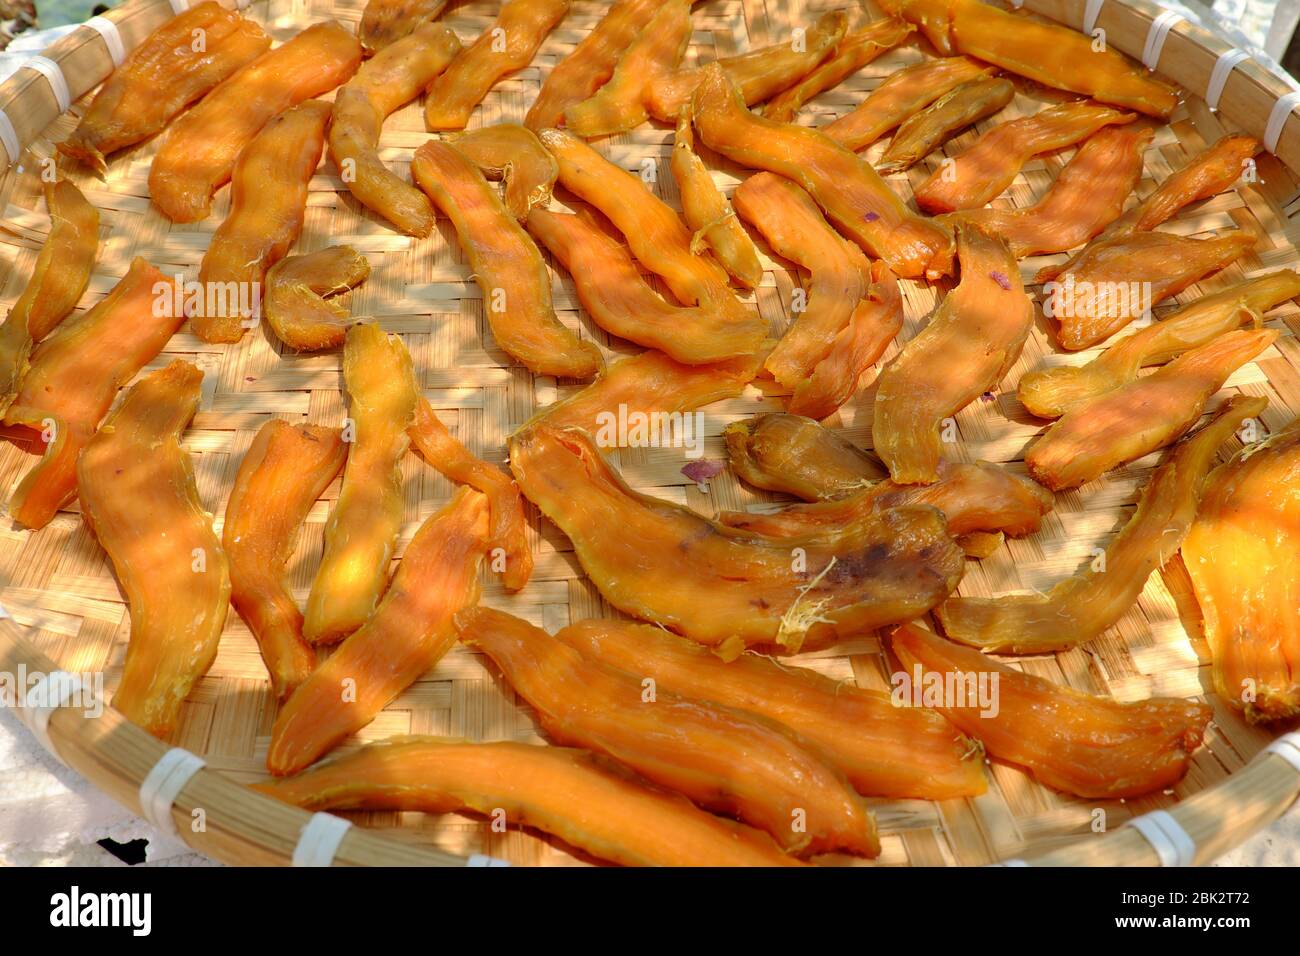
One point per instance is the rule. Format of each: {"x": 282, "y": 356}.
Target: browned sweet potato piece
{"x": 513, "y": 153}
{"x": 795, "y": 455}
{"x": 387, "y": 21}
{"x": 920, "y": 135}
{"x": 296, "y": 304}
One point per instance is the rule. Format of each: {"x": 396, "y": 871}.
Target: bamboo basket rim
{"x": 242, "y": 825}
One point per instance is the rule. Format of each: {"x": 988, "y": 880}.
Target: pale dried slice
{"x": 386, "y": 21}
{"x": 301, "y": 305}
{"x": 795, "y": 455}
{"x": 920, "y": 135}
{"x": 513, "y": 153}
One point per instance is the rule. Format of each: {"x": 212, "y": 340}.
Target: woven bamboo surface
{"x": 59, "y": 583}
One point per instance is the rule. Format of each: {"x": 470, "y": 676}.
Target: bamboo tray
{"x": 67, "y": 610}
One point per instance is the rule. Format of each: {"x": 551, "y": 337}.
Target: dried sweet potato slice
{"x": 57, "y": 283}
{"x": 75, "y": 374}
{"x": 920, "y": 135}
{"x": 664, "y": 563}
{"x": 1142, "y": 416}
{"x": 268, "y": 204}
{"x": 851, "y": 54}
{"x": 406, "y": 635}
{"x": 982, "y": 172}
{"x": 1118, "y": 280}
{"x": 885, "y": 751}
{"x": 759, "y": 74}
{"x": 1090, "y": 746}
{"x": 619, "y": 300}
{"x": 707, "y": 211}
{"x": 138, "y": 495}
{"x": 1048, "y": 53}
{"x": 361, "y": 533}
{"x": 393, "y": 78}
{"x": 970, "y": 342}
{"x": 723, "y": 759}
{"x": 1088, "y": 195}
{"x": 387, "y": 21}
{"x": 509, "y": 531}
{"x": 513, "y": 153}
{"x": 795, "y": 455}
{"x": 589, "y": 802}
{"x": 168, "y": 71}
{"x": 619, "y": 105}
{"x": 509, "y": 44}
{"x": 901, "y": 95}
{"x": 1079, "y": 608}
{"x": 285, "y": 470}
{"x": 1051, "y": 392}
{"x": 198, "y": 153}
{"x": 296, "y": 304}
{"x": 506, "y": 265}
{"x": 592, "y": 62}
{"x": 851, "y": 193}
{"x": 1243, "y": 556}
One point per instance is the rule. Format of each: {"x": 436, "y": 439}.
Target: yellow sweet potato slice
{"x": 513, "y": 153}
{"x": 362, "y": 529}
{"x": 589, "y": 802}
{"x": 268, "y": 204}
{"x": 138, "y": 495}
{"x": 795, "y": 455}
{"x": 723, "y": 759}
{"x": 406, "y": 635}
{"x": 393, "y": 78}
{"x": 1090, "y": 746}
{"x": 387, "y": 21}
{"x": 664, "y": 563}
{"x": 509, "y": 44}
{"x": 506, "y": 265}
{"x": 1079, "y": 608}
{"x": 1243, "y": 556}
{"x": 885, "y": 751}
{"x": 851, "y": 193}
{"x": 171, "y": 68}
{"x": 920, "y": 135}
{"x": 75, "y": 374}
{"x": 299, "y": 306}
{"x": 198, "y": 153}
{"x": 970, "y": 342}
{"x": 286, "y": 469}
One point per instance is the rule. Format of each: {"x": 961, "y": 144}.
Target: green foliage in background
{"x": 56, "y": 13}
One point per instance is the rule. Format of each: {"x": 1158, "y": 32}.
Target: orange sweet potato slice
{"x": 512, "y": 557}
{"x": 268, "y": 204}
{"x": 885, "y": 751}
{"x": 1079, "y": 608}
{"x": 758, "y": 75}
{"x": 168, "y": 71}
{"x": 797, "y": 456}
{"x": 387, "y": 21}
{"x": 286, "y": 469}
{"x": 1248, "y": 530}
{"x": 851, "y": 193}
{"x": 589, "y": 802}
{"x": 723, "y": 759}
{"x": 169, "y": 561}
{"x": 361, "y": 533}
{"x": 1051, "y": 392}
{"x": 506, "y": 264}
{"x": 57, "y": 283}
{"x": 901, "y": 95}
{"x": 74, "y": 377}
{"x": 198, "y": 153}
{"x": 1117, "y": 280}
{"x": 851, "y": 54}
{"x": 296, "y": 304}
{"x": 1090, "y": 746}
{"x": 970, "y": 342}
{"x": 513, "y": 153}
{"x": 920, "y": 135}
{"x": 509, "y": 44}
{"x": 1088, "y": 195}
{"x": 619, "y": 105}
{"x": 665, "y": 563}
{"x": 394, "y": 77}
{"x": 406, "y": 635}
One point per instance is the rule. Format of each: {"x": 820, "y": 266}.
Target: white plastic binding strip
{"x": 164, "y": 784}
{"x": 112, "y": 38}
{"x": 1091, "y": 10}
{"x": 1014, "y": 861}
{"x": 1277, "y": 119}
{"x": 54, "y": 73}
{"x": 320, "y": 840}
{"x": 180, "y": 6}
{"x": 480, "y": 859}
{"x": 1288, "y": 748}
{"x": 1226, "y": 63}
{"x": 43, "y": 700}
{"x": 1167, "y": 838}
{"x": 9, "y": 138}
{"x": 1160, "y": 28}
